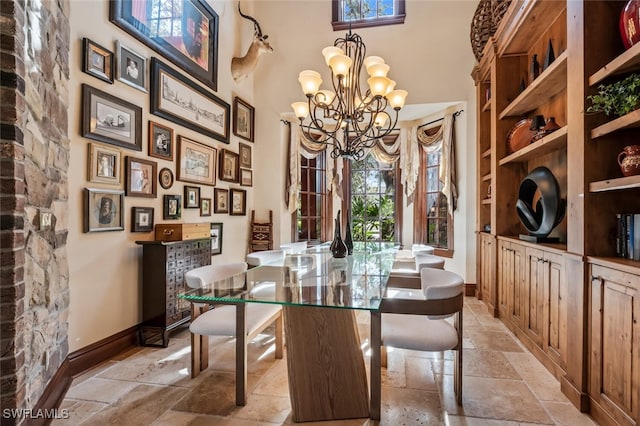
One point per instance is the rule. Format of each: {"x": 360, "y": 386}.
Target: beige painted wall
{"x": 430, "y": 57}
{"x": 105, "y": 282}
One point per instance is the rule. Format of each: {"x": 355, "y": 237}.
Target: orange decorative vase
{"x": 629, "y": 160}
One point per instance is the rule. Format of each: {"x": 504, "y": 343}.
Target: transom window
{"x": 366, "y": 13}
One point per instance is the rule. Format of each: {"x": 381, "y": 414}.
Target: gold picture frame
{"x": 105, "y": 164}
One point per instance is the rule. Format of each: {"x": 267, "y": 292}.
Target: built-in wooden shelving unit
{"x": 487, "y": 106}
{"x": 486, "y": 201}
{"x": 487, "y": 153}
{"x": 551, "y": 82}
{"x": 624, "y": 63}
{"x": 486, "y": 178}
{"x": 627, "y": 121}
{"x": 628, "y": 182}
{"x": 552, "y": 142}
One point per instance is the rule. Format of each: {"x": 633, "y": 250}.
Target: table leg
{"x": 376, "y": 374}
{"x": 241, "y": 354}
{"x": 327, "y": 375}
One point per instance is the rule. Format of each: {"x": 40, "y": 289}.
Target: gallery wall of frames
{"x": 179, "y": 84}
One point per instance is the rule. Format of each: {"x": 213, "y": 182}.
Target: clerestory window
{"x": 366, "y": 13}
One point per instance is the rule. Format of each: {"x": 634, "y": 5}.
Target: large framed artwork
{"x": 103, "y": 210}
{"x": 177, "y": 98}
{"x": 106, "y": 118}
{"x": 186, "y": 33}
{"x": 196, "y": 162}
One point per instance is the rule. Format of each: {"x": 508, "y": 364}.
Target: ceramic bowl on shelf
{"x": 520, "y": 135}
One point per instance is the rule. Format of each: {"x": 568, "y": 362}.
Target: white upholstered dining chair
{"x": 266, "y": 257}
{"x": 221, "y": 319}
{"x": 417, "y": 320}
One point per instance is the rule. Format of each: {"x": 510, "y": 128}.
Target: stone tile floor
{"x": 503, "y": 385}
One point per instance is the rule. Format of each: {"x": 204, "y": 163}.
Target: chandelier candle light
{"x": 364, "y": 119}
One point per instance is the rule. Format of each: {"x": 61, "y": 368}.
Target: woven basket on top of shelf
{"x": 485, "y": 22}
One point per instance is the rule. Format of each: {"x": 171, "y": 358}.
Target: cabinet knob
{"x": 594, "y": 278}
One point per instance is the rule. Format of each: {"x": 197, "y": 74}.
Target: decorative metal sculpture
{"x": 549, "y": 208}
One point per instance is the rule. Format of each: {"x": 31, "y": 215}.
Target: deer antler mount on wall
{"x": 243, "y": 66}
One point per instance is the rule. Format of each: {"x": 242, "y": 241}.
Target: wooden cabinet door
{"x": 615, "y": 343}
{"x": 535, "y": 300}
{"x": 556, "y": 308}
{"x": 505, "y": 278}
{"x": 488, "y": 294}
{"x": 518, "y": 295}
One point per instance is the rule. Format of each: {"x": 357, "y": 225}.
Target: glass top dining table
{"x": 311, "y": 278}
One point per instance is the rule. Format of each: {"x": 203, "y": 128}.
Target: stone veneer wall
{"x": 34, "y": 160}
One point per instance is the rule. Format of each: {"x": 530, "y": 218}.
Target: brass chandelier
{"x": 362, "y": 117}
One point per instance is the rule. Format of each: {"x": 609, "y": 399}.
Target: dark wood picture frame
{"x": 180, "y": 100}
{"x": 205, "y": 207}
{"x": 238, "y": 202}
{"x": 246, "y": 177}
{"x": 160, "y": 141}
{"x": 103, "y": 210}
{"x": 191, "y": 197}
{"x": 229, "y": 167}
{"x": 106, "y": 118}
{"x": 141, "y": 177}
{"x": 220, "y": 200}
{"x": 131, "y": 67}
{"x": 142, "y": 219}
{"x": 172, "y": 207}
{"x": 196, "y": 162}
{"x": 245, "y": 155}
{"x": 195, "y": 14}
{"x": 97, "y": 61}
{"x": 216, "y": 238}
{"x": 165, "y": 177}
{"x": 243, "y": 119}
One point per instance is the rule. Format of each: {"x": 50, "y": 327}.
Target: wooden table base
{"x": 327, "y": 376}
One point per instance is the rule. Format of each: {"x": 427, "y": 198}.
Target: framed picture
{"x": 171, "y": 208}
{"x": 165, "y": 177}
{"x": 106, "y": 118}
{"x": 229, "y": 166}
{"x": 245, "y": 155}
{"x": 216, "y": 238}
{"x": 131, "y": 67}
{"x": 193, "y": 47}
{"x": 160, "y": 141}
{"x": 196, "y": 162}
{"x": 220, "y": 200}
{"x": 103, "y": 210}
{"x": 246, "y": 177}
{"x": 238, "y": 202}
{"x": 141, "y": 177}
{"x": 104, "y": 164}
{"x": 141, "y": 219}
{"x": 243, "y": 119}
{"x": 191, "y": 197}
{"x": 205, "y": 206}
{"x": 177, "y": 98}
{"x": 97, "y": 61}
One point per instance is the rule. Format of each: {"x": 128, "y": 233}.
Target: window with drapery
{"x": 309, "y": 222}
{"x": 348, "y": 14}
{"x": 374, "y": 199}
{"x": 435, "y": 192}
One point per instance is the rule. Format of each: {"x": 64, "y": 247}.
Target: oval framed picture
{"x": 166, "y": 178}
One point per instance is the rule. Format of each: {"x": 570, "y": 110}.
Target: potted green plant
{"x": 617, "y": 98}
